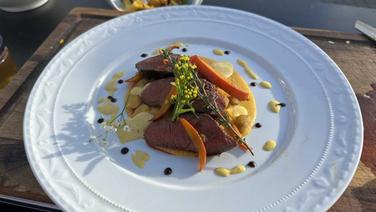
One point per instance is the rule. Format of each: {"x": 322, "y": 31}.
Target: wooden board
{"x": 355, "y": 55}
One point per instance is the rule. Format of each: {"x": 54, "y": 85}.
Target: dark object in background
{"x": 8, "y": 67}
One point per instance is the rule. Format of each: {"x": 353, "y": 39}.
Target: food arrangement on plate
{"x": 185, "y": 105}
{"x": 135, "y": 5}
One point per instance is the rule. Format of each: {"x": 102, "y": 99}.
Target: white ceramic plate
{"x": 319, "y": 133}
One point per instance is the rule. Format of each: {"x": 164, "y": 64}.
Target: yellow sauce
{"x": 108, "y": 108}
{"x": 140, "y": 121}
{"x": 247, "y": 69}
{"x": 111, "y": 86}
{"x": 218, "y": 52}
{"x": 118, "y": 75}
{"x": 266, "y": 84}
{"x": 126, "y": 136}
{"x": 238, "y": 169}
{"x": 224, "y": 172}
{"x": 269, "y": 145}
{"x": 136, "y": 127}
{"x": 224, "y": 68}
{"x": 140, "y": 158}
{"x": 101, "y": 100}
{"x": 274, "y": 106}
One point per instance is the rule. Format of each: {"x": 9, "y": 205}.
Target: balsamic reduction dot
{"x": 113, "y": 100}
{"x": 110, "y": 97}
{"x": 120, "y": 81}
{"x": 144, "y": 55}
{"x": 184, "y": 49}
{"x": 124, "y": 150}
{"x": 252, "y": 164}
{"x": 167, "y": 171}
{"x": 253, "y": 84}
{"x": 227, "y": 52}
{"x": 282, "y": 104}
{"x": 100, "y": 120}
{"x": 258, "y": 125}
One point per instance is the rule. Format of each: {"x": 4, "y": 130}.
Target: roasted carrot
{"x": 206, "y": 70}
{"x": 166, "y": 103}
{"x": 197, "y": 142}
{"x": 135, "y": 78}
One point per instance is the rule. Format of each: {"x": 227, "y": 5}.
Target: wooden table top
{"x": 356, "y": 58}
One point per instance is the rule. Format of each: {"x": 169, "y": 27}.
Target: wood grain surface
{"x": 354, "y": 54}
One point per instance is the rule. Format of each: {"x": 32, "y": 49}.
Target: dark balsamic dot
{"x": 252, "y": 164}
{"x": 167, "y": 171}
{"x": 253, "y": 84}
{"x": 113, "y": 100}
{"x": 227, "y": 52}
{"x": 184, "y": 49}
{"x": 110, "y": 97}
{"x": 101, "y": 120}
{"x": 144, "y": 55}
{"x": 124, "y": 150}
{"x": 258, "y": 125}
{"x": 282, "y": 104}
{"x": 120, "y": 81}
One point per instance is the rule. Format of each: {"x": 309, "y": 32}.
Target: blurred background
{"x": 23, "y": 32}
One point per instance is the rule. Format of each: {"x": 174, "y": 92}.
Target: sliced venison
{"x": 156, "y": 67}
{"x": 166, "y": 133}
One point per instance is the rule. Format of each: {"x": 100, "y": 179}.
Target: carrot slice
{"x": 206, "y": 70}
{"x": 135, "y": 78}
{"x": 197, "y": 142}
{"x": 166, "y": 103}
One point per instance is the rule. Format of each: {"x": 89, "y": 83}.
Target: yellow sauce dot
{"x": 266, "y": 84}
{"x": 238, "y": 169}
{"x": 269, "y": 145}
{"x": 111, "y": 87}
{"x": 247, "y": 69}
{"x": 108, "y": 108}
{"x": 101, "y": 100}
{"x": 274, "y": 106}
{"x": 222, "y": 172}
{"x": 118, "y": 75}
{"x": 218, "y": 52}
{"x": 139, "y": 158}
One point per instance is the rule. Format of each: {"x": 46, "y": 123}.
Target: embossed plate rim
{"x": 107, "y": 26}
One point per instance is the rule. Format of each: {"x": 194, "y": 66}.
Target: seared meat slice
{"x": 213, "y": 93}
{"x": 168, "y": 134}
{"x": 155, "y": 67}
{"x": 155, "y": 93}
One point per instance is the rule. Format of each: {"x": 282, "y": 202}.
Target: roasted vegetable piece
{"x": 135, "y": 78}
{"x": 207, "y": 71}
{"x": 197, "y": 141}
